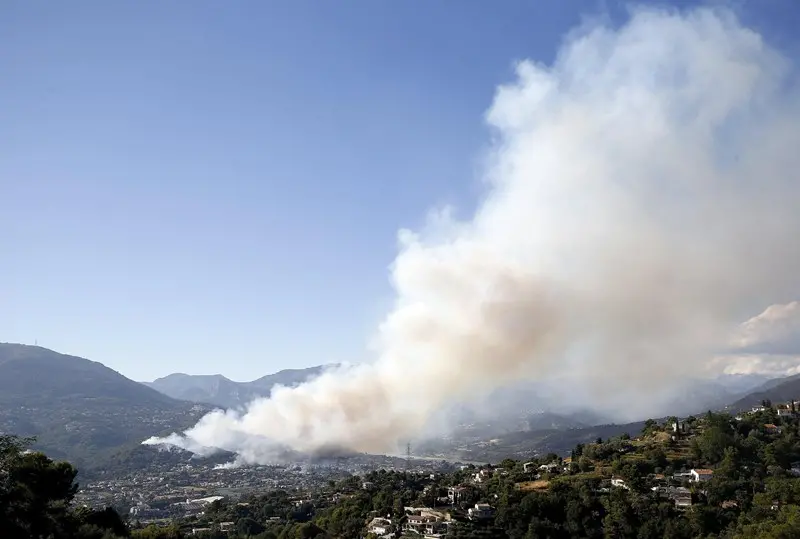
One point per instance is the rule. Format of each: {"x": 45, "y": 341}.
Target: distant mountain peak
{"x": 78, "y": 408}
{"x": 181, "y": 376}
{"x": 218, "y": 390}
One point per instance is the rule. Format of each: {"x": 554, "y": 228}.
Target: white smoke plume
{"x": 642, "y": 200}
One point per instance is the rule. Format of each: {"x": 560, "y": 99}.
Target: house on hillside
{"x": 425, "y": 525}
{"x": 619, "y": 482}
{"x": 681, "y": 496}
{"x": 529, "y": 467}
{"x": 682, "y": 500}
{"x": 459, "y": 494}
{"x": 380, "y": 526}
{"x": 481, "y": 511}
{"x": 679, "y": 427}
{"x": 428, "y": 512}
{"x": 482, "y": 476}
{"x": 550, "y": 468}
{"x": 785, "y": 411}
{"x": 772, "y": 429}
{"x": 701, "y": 474}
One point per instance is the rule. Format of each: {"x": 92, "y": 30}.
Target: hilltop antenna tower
{"x": 408, "y": 455}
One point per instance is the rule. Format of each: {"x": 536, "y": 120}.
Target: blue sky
{"x": 203, "y": 186}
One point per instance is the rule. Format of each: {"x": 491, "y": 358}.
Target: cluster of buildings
{"x": 426, "y": 522}
{"x": 462, "y": 501}
{"x": 186, "y": 489}
{"x": 671, "y": 487}
{"x": 152, "y": 495}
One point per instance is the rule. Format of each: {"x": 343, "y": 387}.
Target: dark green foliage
{"x": 35, "y": 498}
{"x": 156, "y": 532}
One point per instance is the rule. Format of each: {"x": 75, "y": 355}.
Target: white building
{"x": 380, "y": 526}
{"x": 619, "y": 482}
{"x": 481, "y": 511}
{"x": 701, "y": 474}
{"x": 682, "y": 500}
{"x": 458, "y": 494}
{"x": 482, "y": 476}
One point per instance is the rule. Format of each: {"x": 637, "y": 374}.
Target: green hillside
{"x": 79, "y": 409}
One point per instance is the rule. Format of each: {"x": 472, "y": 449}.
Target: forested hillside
{"x": 710, "y": 476}
{"x": 79, "y": 409}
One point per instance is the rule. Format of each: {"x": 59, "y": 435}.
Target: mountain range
{"x": 80, "y": 409}
{"x": 776, "y": 390}
{"x": 217, "y": 390}
{"x": 83, "y": 411}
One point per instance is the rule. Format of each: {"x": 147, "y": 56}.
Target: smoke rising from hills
{"x": 641, "y": 201}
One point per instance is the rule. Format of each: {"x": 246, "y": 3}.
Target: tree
{"x": 730, "y": 465}
{"x": 249, "y": 526}
{"x": 650, "y": 426}
{"x": 155, "y": 532}
{"x": 36, "y": 492}
{"x": 35, "y": 497}
{"x": 105, "y": 522}
{"x": 710, "y": 446}
{"x": 786, "y": 524}
{"x": 508, "y": 464}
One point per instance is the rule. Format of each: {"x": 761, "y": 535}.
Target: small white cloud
{"x": 774, "y": 331}
{"x": 774, "y": 365}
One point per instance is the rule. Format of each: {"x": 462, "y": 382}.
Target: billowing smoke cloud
{"x": 641, "y": 201}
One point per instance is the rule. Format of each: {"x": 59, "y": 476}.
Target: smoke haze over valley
{"x": 637, "y": 211}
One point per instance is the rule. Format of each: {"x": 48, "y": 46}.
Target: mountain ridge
{"x": 218, "y": 390}
{"x": 776, "y": 390}
{"x": 81, "y": 409}
{"x": 85, "y": 411}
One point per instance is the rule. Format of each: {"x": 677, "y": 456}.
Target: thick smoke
{"x": 641, "y": 201}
